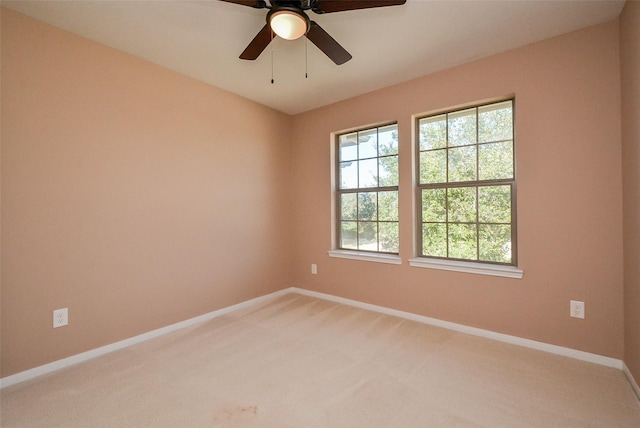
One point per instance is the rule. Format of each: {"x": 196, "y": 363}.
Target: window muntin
{"x": 367, "y": 191}
{"x": 466, "y": 184}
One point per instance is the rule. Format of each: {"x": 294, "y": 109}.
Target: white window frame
{"x": 456, "y": 265}
{"x": 336, "y": 252}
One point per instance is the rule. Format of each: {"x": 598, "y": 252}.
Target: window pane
{"x": 349, "y": 235}
{"x": 368, "y": 236}
{"x": 462, "y": 204}
{"x": 495, "y": 122}
{"x": 348, "y": 175}
{"x": 368, "y": 173}
{"x": 462, "y": 164}
{"x": 466, "y": 178}
{"x": 367, "y": 206}
{"x": 495, "y": 243}
{"x": 463, "y": 242}
{"x": 433, "y": 132}
{"x": 367, "y": 194}
{"x": 434, "y": 239}
{"x": 349, "y": 206}
{"x": 348, "y": 147}
{"x": 433, "y": 166}
{"x": 389, "y": 237}
{"x": 388, "y": 140}
{"x": 496, "y": 160}
{"x": 368, "y": 144}
{"x": 434, "y": 205}
{"x": 388, "y": 206}
{"x": 494, "y": 204}
{"x": 462, "y": 127}
{"x": 388, "y": 167}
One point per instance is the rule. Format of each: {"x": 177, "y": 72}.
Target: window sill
{"x": 467, "y": 267}
{"x": 367, "y": 257}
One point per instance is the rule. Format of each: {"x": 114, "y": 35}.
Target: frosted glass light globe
{"x": 288, "y": 25}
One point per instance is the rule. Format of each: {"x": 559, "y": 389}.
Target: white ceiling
{"x": 203, "y": 39}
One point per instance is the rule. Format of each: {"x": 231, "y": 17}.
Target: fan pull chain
{"x": 272, "y": 80}
{"x": 306, "y": 61}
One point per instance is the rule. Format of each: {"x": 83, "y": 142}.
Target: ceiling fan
{"x": 287, "y": 19}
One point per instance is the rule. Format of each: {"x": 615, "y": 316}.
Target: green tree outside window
{"x": 367, "y": 193}
{"x": 466, "y": 180}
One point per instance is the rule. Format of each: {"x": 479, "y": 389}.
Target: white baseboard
{"x": 631, "y": 380}
{"x": 540, "y": 346}
{"x": 85, "y": 356}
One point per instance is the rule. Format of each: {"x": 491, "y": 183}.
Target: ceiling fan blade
{"x": 327, "y": 44}
{"x": 258, "y": 4}
{"x": 258, "y": 44}
{"x": 328, "y": 6}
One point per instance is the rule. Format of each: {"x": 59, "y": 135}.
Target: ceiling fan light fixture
{"x": 288, "y": 24}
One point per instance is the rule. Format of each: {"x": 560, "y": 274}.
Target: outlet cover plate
{"x": 576, "y": 309}
{"x": 60, "y": 317}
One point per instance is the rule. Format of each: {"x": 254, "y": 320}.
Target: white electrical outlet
{"x": 60, "y": 317}
{"x": 576, "y": 309}
{"x": 314, "y": 269}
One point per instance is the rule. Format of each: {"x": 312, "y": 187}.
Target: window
{"x": 466, "y": 185}
{"x": 367, "y": 190}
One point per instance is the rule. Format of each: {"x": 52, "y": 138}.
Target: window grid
{"x": 379, "y": 228}
{"x": 449, "y": 183}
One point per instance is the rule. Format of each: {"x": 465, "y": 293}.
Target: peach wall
{"x": 132, "y": 195}
{"x": 125, "y": 190}
{"x": 0, "y": 193}
{"x": 630, "y": 68}
{"x": 569, "y": 204}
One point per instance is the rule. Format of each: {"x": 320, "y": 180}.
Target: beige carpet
{"x": 302, "y": 362}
